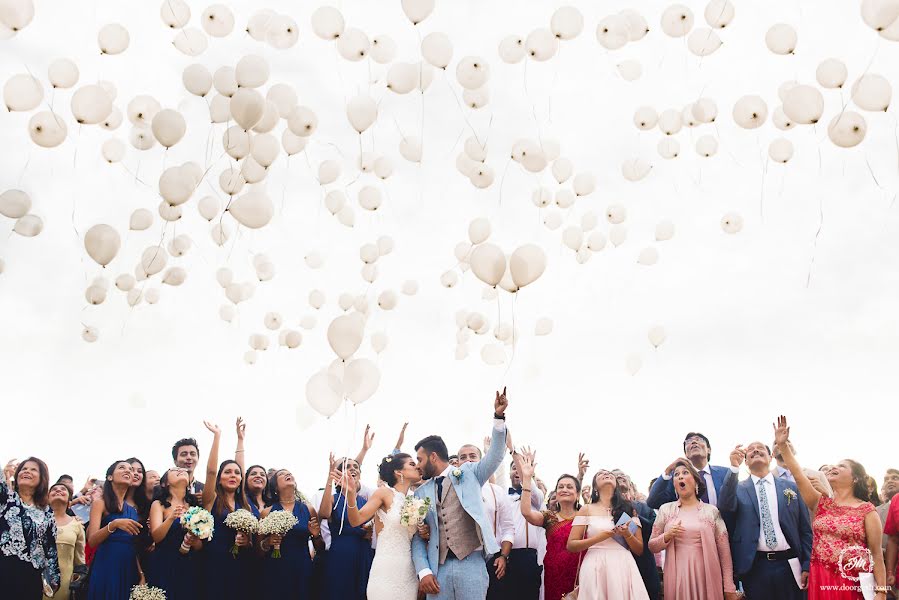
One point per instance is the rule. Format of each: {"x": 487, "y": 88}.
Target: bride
{"x": 392, "y": 573}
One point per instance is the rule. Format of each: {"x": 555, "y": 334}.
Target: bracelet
{"x": 107, "y": 527}
{"x": 523, "y": 490}
{"x": 352, "y": 506}
{"x": 236, "y": 451}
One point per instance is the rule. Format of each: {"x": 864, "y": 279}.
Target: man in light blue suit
{"x": 450, "y": 564}
{"x": 698, "y": 451}
{"x": 771, "y": 527}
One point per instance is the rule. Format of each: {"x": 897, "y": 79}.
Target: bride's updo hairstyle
{"x": 390, "y": 465}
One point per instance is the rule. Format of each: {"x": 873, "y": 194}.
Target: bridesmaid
{"x": 254, "y": 482}
{"x": 289, "y": 577}
{"x": 348, "y": 561}
{"x": 168, "y": 568}
{"x": 844, "y": 525}
{"x": 559, "y": 565}
{"x": 225, "y": 577}
{"x": 112, "y": 531}
{"x": 692, "y": 533}
{"x": 69, "y": 539}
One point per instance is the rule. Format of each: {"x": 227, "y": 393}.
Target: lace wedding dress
{"x": 392, "y": 573}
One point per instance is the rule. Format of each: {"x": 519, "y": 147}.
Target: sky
{"x": 794, "y": 315}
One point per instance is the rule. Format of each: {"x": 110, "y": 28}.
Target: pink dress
{"x": 559, "y": 565}
{"x": 697, "y": 561}
{"x": 838, "y": 530}
{"x": 608, "y": 571}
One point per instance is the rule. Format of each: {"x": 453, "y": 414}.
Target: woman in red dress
{"x": 847, "y": 530}
{"x": 559, "y": 565}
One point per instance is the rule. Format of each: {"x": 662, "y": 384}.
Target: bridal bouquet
{"x": 278, "y": 522}
{"x": 198, "y": 522}
{"x": 243, "y": 521}
{"x": 414, "y": 510}
{"x": 146, "y": 592}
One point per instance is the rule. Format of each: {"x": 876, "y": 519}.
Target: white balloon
{"x": 224, "y": 276}
{"x": 190, "y": 41}
{"x": 362, "y": 111}
{"x": 703, "y": 41}
{"x": 141, "y": 219}
{"x": 284, "y": 97}
{"x": 567, "y": 23}
{"x": 677, "y": 20}
{"x": 617, "y": 234}
{"x": 803, "y": 104}
{"x": 247, "y": 107}
{"x": 493, "y": 354}
{"x": 637, "y": 27}
{"x": 668, "y": 147}
{"x": 14, "y": 204}
{"x": 648, "y": 256}
{"x": 437, "y": 49}
{"x": 102, "y": 243}
{"x": 292, "y": 143}
{"x": 217, "y": 20}
{"x": 282, "y": 32}
{"x": 511, "y": 49}
{"x": 321, "y": 395}
{"x": 410, "y": 148}
{"x": 387, "y": 300}
{"x": 251, "y": 71}
{"x": 750, "y": 112}
{"x": 62, "y": 73}
{"x": 664, "y": 231}
{"x": 125, "y": 282}
{"x": 90, "y": 334}
{"x": 417, "y": 10}
{"x": 176, "y": 185}
{"x": 16, "y": 14}
{"x": 613, "y": 32}
{"x": 479, "y": 230}
{"x": 781, "y": 39}
{"x": 370, "y": 198}
{"x": 175, "y": 13}
{"x": 153, "y": 259}
{"x": 272, "y": 321}
{"x": 91, "y": 104}
{"x": 327, "y": 23}
{"x": 347, "y": 216}
{"x": 635, "y": 169}
{"x": 353, "y": 44}
{"x": 645, "y": 118}
{"x": 179, "y": 245}
{"x": 707, "y": 145}
{"x": 22, "y": 92}
{"x": 671, "y": 121}
{"x": 732, "y": 222}
{"x": 113, "y": 39}
{"x": 472, "y": 72}
{"x": 584, "y": 184}
{"x": 47, "y": 129}
{"x": 302, "y": 121}
{"x": 409, "y": 288}
{"x": 527, "y": 264}
{"x": 573, "y": 237}
{"x": 847, "y": 129}
{"x": 345, "y": 334}
{"x": 596, "y": 241}
{"x": 541, "y": 44}
{"x": 780, "y": 150}
{"x": 488, "y": 263}
{"x": 832, "y": 72}
{"x": 328, "y": 172}
{"x": 29, "y": 226}
{"x": 872, "y": 92}
{"x": 383, "y": 49}
{"x": 253, "y": 209}
{"x": 168, "y": 127}
{"x": 781, "y": 120}
{"x": 220, "y": 233}
{"x": 544, "y": 326}
{"x": 630, "y": 70}
{"x": 719, "y": 13}
{"x": 879, "y": 14}
{"x": 562, "y": 169}
{"x": 633, "y": 363}
{"x": 449, "y": 279}
{"x": 174, "y": 276}
{"x": 360, "y": 380}
{"x": 113, "y": 150}
{"x": 264, "y": 149}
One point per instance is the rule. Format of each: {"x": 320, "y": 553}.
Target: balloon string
{"x": 811, "y": 263}
{"x": 514, "y": 337}
{"x": 461, "y": 110}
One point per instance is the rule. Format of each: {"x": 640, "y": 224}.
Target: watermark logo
{"x": 854, "y": 560}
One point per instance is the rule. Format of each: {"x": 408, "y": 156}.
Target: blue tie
{"x": 705, "y": 489}
{"x": 439, "y": 482}
{"x": 767, "y": 522}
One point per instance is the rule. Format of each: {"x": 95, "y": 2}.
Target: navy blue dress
{"x": 289, "y": 577}
{"x": 225, "y": 573}
{"x": 349, "y": 558}
{"x": 175, "y": 573}
{"x": 252, "y": 566}
{"x": 114, "y": 568}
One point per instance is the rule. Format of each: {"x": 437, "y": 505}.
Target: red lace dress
{"x": 559, "y": 565}
{"x": 839, "y": 551}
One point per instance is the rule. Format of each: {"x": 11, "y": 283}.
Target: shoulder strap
{"x": 495, "y": 509}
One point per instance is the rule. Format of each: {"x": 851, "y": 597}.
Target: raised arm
{"x": 211, "y": 465}
{"x": 525, "y": 466}
{"x": 583, "y": 463}
{"x": 397, "y": 448}
{"x": 809, "y": 494}
{"x": 355, "y": 516}
{"x": 368, "y": 438}
{"x": 486, "y": 467}
{"x": 327, "y": 503}
{"x": 240, "y": 456}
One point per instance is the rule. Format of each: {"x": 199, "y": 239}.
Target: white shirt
{"x": 771, "y": 493}
{"x": 527, "y": 535}
{"x": 498, "y": 511}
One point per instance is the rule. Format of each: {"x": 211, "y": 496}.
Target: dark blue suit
{"x": 646, "y": 562}
{"x": 762, "y": 578}
{"x": 662, "y": 491}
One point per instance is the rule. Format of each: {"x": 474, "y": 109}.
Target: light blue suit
{"x": 461, "y": 579}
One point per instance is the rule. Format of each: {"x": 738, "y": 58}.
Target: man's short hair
{"x": 184, "y": 442}
{"x": 434, "y": 443}
{"x": 699, "y": 435}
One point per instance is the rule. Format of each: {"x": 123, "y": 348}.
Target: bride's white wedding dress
{"x": 392, "y": 574}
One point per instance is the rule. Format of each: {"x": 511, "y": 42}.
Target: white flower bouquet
{"x": 242, "y": 521}
{"x": 199, "y": 523}
{"x": 146, "y": 592}
{"x": 414, "y": 510}
{"x": 277, "y": 522}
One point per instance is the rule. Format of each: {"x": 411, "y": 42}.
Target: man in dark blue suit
{"x": 771, "y": 527}
{"x": 698, "y": 451}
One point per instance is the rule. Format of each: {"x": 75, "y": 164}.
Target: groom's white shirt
{"x": 498, "y": 425}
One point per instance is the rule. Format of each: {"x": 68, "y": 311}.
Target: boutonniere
{"x": 790, "y": 495}
{"x": 457, "y": 473}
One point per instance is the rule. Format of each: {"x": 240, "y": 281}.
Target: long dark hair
{"x": 620, "y": 504}
{"x": 271, "y": 488}
{"x": 141, "y": 501}
{"x": 239, "y": 501}
{"x": 247, "y": 494}
{"x": 390, "y": 465}
{"x": 163, "y": 494}
{"x": 42, "y": 489}
{"x": 860, "y": 480}
{"x": 577, "y": 487}
{"x": 110, "y": 500}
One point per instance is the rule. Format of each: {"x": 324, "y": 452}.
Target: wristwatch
{"x": 504, "y": 557}
{"x": 501, "y": 417}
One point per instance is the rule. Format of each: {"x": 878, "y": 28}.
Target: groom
{"x": 450, "y": 564}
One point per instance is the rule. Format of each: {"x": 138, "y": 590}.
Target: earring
{"x": 402, "y": 479}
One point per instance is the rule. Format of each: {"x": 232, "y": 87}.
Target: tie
{"x": 708, "y": 482}
{"x": 767, "y": 523}
{"x": 439, "y": 482}
{"x": 513, "y": 491}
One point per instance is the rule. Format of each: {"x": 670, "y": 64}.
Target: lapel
{"x": 782, "y": 508}
{"x": 749, "y": 485}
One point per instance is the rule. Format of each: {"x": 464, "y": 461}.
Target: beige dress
{"x": 70, "y": 551}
